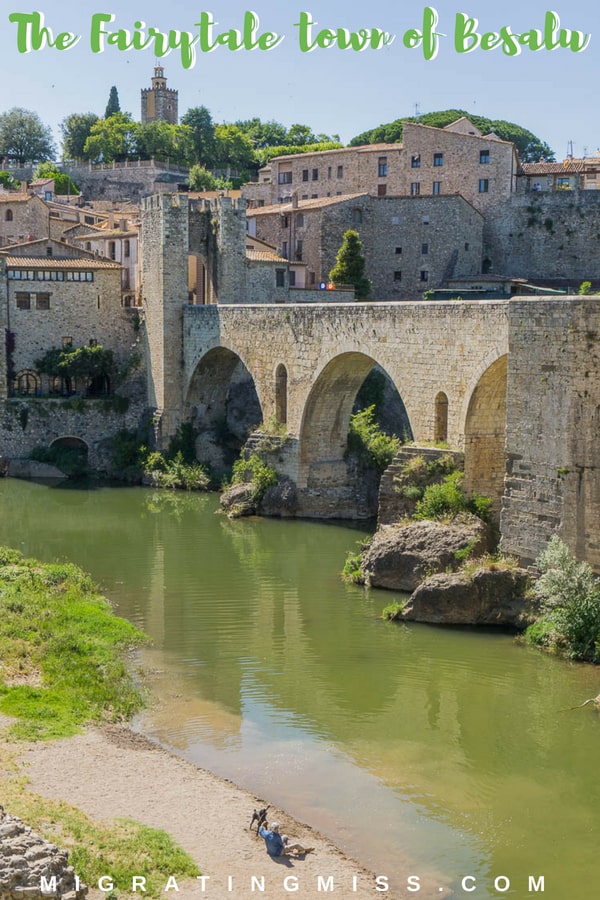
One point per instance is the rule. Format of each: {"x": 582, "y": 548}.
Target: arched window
{"x": 281, "y": 394}
{"x": 27, "y": 383}
{"x": 486, "y": 266}
{"x": 440, "y": 428}
{"x": 8, "y": 216}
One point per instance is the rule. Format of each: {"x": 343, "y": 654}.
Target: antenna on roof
{"x": 569, "y": 149}
{"x": 417, "y": 110}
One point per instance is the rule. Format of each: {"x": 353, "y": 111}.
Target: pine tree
{"x": 113, "y": 106}
{"x": 350, "y": 266}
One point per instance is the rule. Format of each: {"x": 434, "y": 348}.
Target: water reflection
{"x": 439, "y": 751}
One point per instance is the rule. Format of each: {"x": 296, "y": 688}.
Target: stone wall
{"x": 552, "y": 427}
{"x": 22, "y": 218}
{"x": 394, "y": 504}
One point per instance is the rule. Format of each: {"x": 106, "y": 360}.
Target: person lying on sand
{"x": 278, "y": 844}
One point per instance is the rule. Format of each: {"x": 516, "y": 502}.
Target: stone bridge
{"x": 447, "y": 360}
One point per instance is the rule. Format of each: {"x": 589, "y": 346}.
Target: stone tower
{"x": 159, "y": 103}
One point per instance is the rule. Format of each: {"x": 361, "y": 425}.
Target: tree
{"x": 200, "y": 121}
{"x": 233, "y": 148}
{"x": 113, "y": 106}
{"x": 160, "y": 140}
{"x": 24, "y": 138}
{"x": 75, "y": 131}
{"x": 112, "y": 139}
{"x": 263, "y": 134}
{"x": 350, "y": 266}
{"x": 203, "y": 180}
{"x": 62, "y": 182}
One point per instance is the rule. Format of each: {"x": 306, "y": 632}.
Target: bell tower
{"x": 159, "y": 103}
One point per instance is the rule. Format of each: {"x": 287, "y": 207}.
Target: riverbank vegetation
{"x": 369, "y": 442}
{"x": 569, "y": 594}
{"x": 62, "y": 650}
{"x": 175, "y": 468}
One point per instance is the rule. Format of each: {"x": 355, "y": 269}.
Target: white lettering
{"x": 323, "y": 885}
{"x": 138, "y": 881}
{"x": 290, "y": 883}
{"x": 257, "y": 884}
{"x": 535, "y": 886}
{"x": 171, "y": 884}
{"x": 230, "y": 883}
{"x": 381, "y": 883}
{"x": 354, "y": 883}
{"x": 413, "y": 883}
{"x": 48, "y": 887}
{"x": 463, "y": 883}
{"x": 502, "y": 884}
{"x": 202, "y": 879}
{"x": 105, "y": 884}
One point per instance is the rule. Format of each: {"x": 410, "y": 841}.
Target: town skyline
{"x": 364, "y": 89}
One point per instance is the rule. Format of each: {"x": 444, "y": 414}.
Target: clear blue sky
{"x": 554, "y": 94}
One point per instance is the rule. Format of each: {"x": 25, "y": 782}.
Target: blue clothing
{"x": 273, "y": 840}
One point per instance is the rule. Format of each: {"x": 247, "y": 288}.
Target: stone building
{"x": 22, "y": 217}
{"x": 159, "y": 103}
{"x": 410, "y": 244}
{"x": 55, "y": 295}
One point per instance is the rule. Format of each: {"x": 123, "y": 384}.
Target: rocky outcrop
{"x": 30, "y": 468}
{"x": 238, "y": 500}
{"x": 278, "y": 500}
{"x": 488, "y": 596}
{"x": 26, "y": 859}
{"x": 401, "y": 556}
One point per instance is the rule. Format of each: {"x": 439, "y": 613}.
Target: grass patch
{"x": 391, "y": 611}
{"x": 446, "y": 500}
{"x": 491, "y": 562}
{"x": 256, "y": 471}
{"x": 352, "y": 573}
{"x": 121, "y": 848}
{"x": 62, "y": 651}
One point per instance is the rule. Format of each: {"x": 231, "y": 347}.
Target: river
{"x": 443, "y": 753}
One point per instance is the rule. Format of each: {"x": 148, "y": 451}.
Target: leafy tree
{"x": 263, "y": 134}
{"x": 112, "y": 139}
{"x": 75, "y": 131}
{"x": 233, "y": 148}
{"x": 585, "y": 288}
{"x": 267, "y": 153}
{"x": 113, "y": 106}
{"x": 203, "y": 180}
{"x": 160, "y": 140}
{"x": 350, "y": 266}
{"x": 24, "y": 138}
{"x": 529, "y": 147}
{"x": 200, "y": 121}
{"x": 62, "y": 182}
{"x": 301, "y": 134}
{"x": 7, "y": 181}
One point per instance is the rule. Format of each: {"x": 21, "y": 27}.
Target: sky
{"x": 335, "y": 91}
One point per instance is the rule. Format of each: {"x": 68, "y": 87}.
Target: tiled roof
{"x": 14, "y": 198}
{"x": 51, "y": 262}
{"x": 555, "y": 168}
{"x": 303, "y": 205}
{"x": 264, "y": 256}
{"x": 116, "y": 233}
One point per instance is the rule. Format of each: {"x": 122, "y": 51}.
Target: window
{"x": 300, "y": 220}
{"x": 299, "y": 251}
{"x": 279, "y": 277}
{"x": 466, "y": 246}
{"x": 424, "y": 249}
{"x": 88, "y": 246}
{"x": 484, "y": 156}
{"x": 425, "y": 220}
{"x": 112, "y": 250}
{"x": 340, "y": 171}
{"x": 48, "y": 251}
{"x": 292, "y": 277}
{"x": 284, "y": 221}
{"x": 415, "y": 188}
{"x": 397, "y": 275}
{"x": 42, "y": 301}
{"x": 382, "y": 167}
{"x": 27, "y": 382}
{"x": 304, "y": 174}
{"x": 315, "y": 174}
{"x": 8, "y": 216}
{"x": 395, "y": 220}
{"x": 398, "y": 250}
{"x": 285, "y": 178}
{"x": 415, "y": 161}
{"x": 67, "y": 342}
{"x": 126, "y": 249}
{"x": 23, "y": 300}
{"x": 424, "y": 275}
{"x": 357, "y": 217}
{"x": 285, "y": 250}
{"x": 329, "y": 171}
{"x": 437, "y": 188}
{"x": 483, "y": 185}
{"x": 381, "y": 190}
{"x": 438, "y": 159}
{"x": 313, "y": 277}
{"x": 563, "y": 184}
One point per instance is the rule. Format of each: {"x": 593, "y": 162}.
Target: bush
{"x": 256, "y": 471}
{"x": 374, "y": 448}
{"x": 446, "y": 500}
{"x": 569, "y": 594}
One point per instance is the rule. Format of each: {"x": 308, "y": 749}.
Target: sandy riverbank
{"x": 111, "y": 772}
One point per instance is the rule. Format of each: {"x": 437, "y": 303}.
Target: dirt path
{"x": 113, "y": 773}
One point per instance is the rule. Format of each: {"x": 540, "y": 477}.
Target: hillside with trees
{"x": 530, "y": 148}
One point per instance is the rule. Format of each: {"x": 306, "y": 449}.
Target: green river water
{"x": 437, "y": 752}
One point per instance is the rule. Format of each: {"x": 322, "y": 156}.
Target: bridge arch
{"x": 485, "y": 433}
{"x": 326, "y": 415}
{"x": 70, "y": 442}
